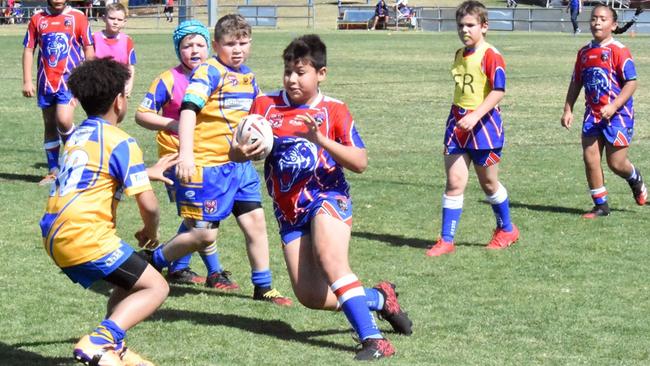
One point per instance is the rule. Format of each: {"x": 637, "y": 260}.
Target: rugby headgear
{"x": 185, "y": 29}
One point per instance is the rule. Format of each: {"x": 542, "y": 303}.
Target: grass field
{"x": 571, "y": 292}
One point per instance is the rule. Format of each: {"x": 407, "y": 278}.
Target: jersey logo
{"x": 44, "y": 23}
{"x": 57, "y": 47}
{"x": 233, "y": 80}
{"x": 297, "y": 161}
{"x": 210, "y": 206}
{"x": 67, "y": 23}
{"x": 276, "y": 120}
{"x": 596, "y": 83}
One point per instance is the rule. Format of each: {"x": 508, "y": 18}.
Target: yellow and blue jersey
{"x": 99, "y": 163}
{"x": 225, "y": 96}
{"x": 476, "y": 72}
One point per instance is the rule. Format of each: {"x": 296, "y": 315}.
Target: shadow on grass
{"x": 104, "y": 289}
{"x": 12, "y": 355}
{"x": 273, "y": 328}
{"x": 29, "y": 178}
{"x": 554, "y": 209}
{"x": 400, "y": 241}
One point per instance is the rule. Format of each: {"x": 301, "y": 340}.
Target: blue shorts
{"x": 88, "y": 273}
{"x": 213, "y": 191}
{"x": 484, "y": 158}
{"x": 337, "y": 206}
{"x": 50, "y": 99}
{"x": 616, "y": 135}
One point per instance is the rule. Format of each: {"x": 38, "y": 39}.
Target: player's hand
{"x": 156, "y": 171}
{"x": 240, "y": 152}
{"x": 468, "y": 122}
{"x": 147, "y": 239}
{"x": 312, "y": 133}
{"x": 185, "y": 169}
{"x": 172, "y": 126}
{"x": 638, "y": 11}
{"x": 28, "y": 90}
{"x": 608, "y": 111}
{"x": 567, "y": 119}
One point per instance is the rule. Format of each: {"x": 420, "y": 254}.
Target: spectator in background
{"x": 511, "y": 3}
{"x": 403, "y": 11}
{"x": 575, "y": 8}
{"x": 169, "y": 10}
{"x": 381, "y": 13}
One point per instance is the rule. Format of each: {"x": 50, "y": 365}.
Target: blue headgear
{"x": 186, "y": 28}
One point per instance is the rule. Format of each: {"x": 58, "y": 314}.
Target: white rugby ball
{"x": 260, "y": 129}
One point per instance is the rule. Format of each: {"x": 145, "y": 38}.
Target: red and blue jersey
{"x": 298, "y": 172}
{"x": 603, "y": 70}
{"x": 476, "y": 72}
{"x": 60, "y": 38}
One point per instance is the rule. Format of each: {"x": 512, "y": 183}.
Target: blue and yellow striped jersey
{"x": 99, "y": 162}
{"x": 225, "y": 96}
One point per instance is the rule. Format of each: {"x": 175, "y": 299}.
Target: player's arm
{"x": 626, "y": 93}
{"x": 154, "y": 121}
{"x": 571, "y": 97}
{"x": 150, "y": 214}
{"x": 89, "y": 52}
{"x": 28, "y": 63}
{"x": 129, "y": 83}
{"x": 350, "y": 157}
{"x": 186, "y": 125}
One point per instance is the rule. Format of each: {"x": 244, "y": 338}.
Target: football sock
{"x": 599, "y": 195}
{"x": 52, "y": 154}
{"x": 374, "y": 299}
{"x": 452, "y": 208}
{"x": 158, "y": 258}
{"x": 634, "y": 177}
{"x": 262, "y": 278}
{"x": 210, "y": 257}
{"x": 65, "y": 134}
{"x": 352, "y": 297}
{"x": 183, "y": 262}
{"x": 107, "y": 332}
{"x": 501, "y": 207}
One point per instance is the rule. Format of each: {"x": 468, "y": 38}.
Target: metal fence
{"x": 531, "y": 20}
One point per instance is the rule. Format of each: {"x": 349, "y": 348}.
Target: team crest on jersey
{"x": 294, "y": 160}
{"x": 596, "y": 83}
{"x": 276, "y": 119}
{"x": 57, "y": 47}
{"x": 604, "y": 56}
{"x": 44, "y": 24}
{"x": 210, "y": 206}
{"x": 247, "y": 80}
{"x": 67, "y": 23}
{"x": 233, "y": 80}
{"x": 319, "y": 118}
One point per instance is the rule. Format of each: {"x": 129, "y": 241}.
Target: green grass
{"x": 571, "y": 292}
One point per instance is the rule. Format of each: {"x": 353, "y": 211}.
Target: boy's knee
{"x": 204, "y": 237}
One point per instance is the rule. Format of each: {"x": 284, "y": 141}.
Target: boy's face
{"x": 232, "y": 51}
{"x": 194, "y": 50}
{"x": 602, "y": 24}
{"x": 471, "y": 31}
{"x": 57, "y": 5}
{"x": 115, "y": 20}
{"x": 301, "y": 80}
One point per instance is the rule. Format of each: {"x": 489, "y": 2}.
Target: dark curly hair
{"x": 97, "y": 83}
{"x": 308, "y": 48}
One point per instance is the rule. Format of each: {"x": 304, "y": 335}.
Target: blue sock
{"x": 501, "y": 208}
{"x": 183, "y": 262}
{"x": 452, "y": 208}
{"x": 352, "y": 298}
{"x": 261, "y": 278}
{"x": 159, "y": 260}
{"x": 599, "y": 195}
{"x": 374, "y": 299}
{"x": 52, "y": 154}
{"x": 107, "y": 332}
{"x": 210, "y": 257}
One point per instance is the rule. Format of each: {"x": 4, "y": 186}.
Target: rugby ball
{"x": 260, "y": 129}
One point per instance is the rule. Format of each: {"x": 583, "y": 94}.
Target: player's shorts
{"x": 484, "y": 158}
{"x": 213, "y": 190}
{"x": 121, "y": 267}
{"x": 616, "y": 135}
{"x": 50, "y": 99}
{"x": 337, "y": 206}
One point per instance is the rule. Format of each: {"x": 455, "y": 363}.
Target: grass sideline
{"x": 571, "y": 292}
